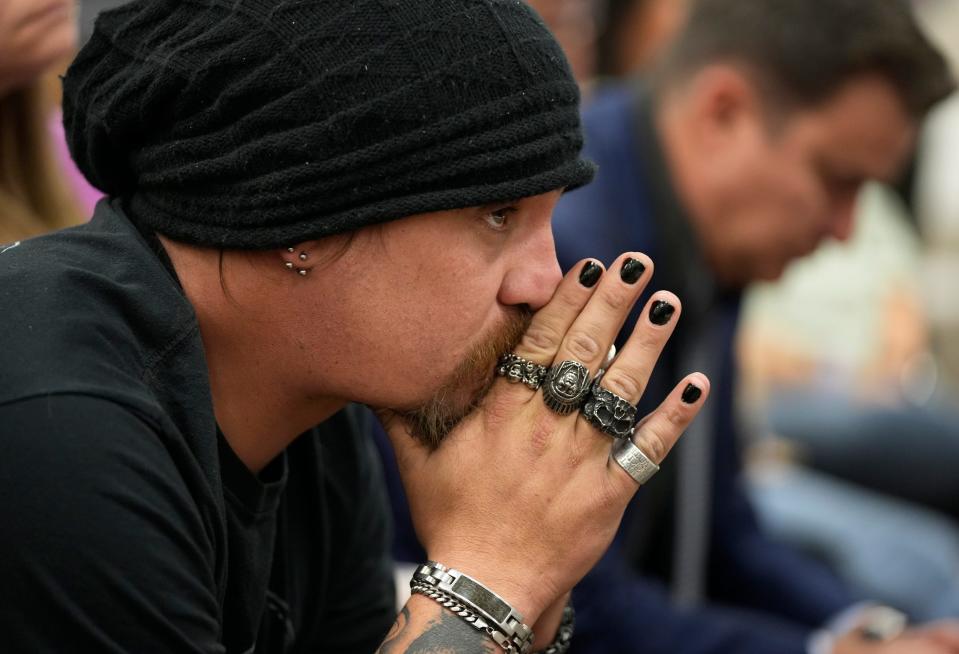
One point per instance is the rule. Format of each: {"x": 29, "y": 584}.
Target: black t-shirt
{"x": 127, "y": 524}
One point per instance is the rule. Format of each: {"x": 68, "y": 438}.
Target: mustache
{"x": 432, "y": 422}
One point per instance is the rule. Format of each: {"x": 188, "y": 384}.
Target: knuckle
{"x": 649, "y": 340}
{"x": 497, "y": 411}
{"x": 541, "y": 338}
{"x": 582, "y": 346}
{"x": 613, "y": 301}
{"x": 541, "y": 434}
{"x": 652, "y": 441}
{"x": 575, "y": 459}
{"x": 676, "y": 417}
{"x": 611, "y": 491}
{"x": 571, "y": 302}
{"x": 623, "y": 384}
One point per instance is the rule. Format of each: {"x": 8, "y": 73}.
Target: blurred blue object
{"x": 891, "y": 550}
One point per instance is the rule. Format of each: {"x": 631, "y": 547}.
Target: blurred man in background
{"x": 747, "y": 149}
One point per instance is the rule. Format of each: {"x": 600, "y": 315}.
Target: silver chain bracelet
{"x": 486, "y": 608}
{"x": 449, "y": 602}
{"x": 560, "y": 645}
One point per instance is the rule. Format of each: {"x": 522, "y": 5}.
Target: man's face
{"x": 416, "y": 311}
{"x": 787, "y": 187}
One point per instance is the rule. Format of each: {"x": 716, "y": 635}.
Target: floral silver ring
{"x": 518, "y": 370}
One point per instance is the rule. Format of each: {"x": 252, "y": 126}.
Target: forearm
{"x": 425, "y": 627}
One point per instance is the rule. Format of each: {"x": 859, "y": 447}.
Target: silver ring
{"x": 566, "y": 387}
{"x": 633, "y": 460}
{"x": 608, "y": 412}
{"x": 516, "y": 369}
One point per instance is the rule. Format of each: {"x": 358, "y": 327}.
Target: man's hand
{"x": 936, "y": 638}
{"x": 521, "y": 498}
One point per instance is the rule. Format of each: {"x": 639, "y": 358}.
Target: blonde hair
{"x": 34, "y": 196}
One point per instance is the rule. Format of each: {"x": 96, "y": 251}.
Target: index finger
{"x": 550, "y": 324}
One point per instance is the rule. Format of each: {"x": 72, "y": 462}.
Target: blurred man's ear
{"x": 726, "y": 108}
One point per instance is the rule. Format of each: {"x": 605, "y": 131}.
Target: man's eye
{"x": 499, "y": 219}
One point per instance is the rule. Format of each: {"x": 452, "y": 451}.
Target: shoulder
{"x": 86, "y": 310}
{"x": 99, "y": 529}
{"x": 69, "y": 459}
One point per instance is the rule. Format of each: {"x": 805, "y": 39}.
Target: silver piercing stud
{"x": 289, "y": 265}
{"x": 302, "y": 272}
{"x": 291, "y": 250}
{"x": 304, "y": 256}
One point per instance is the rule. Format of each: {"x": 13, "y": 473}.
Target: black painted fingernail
{"x": 692, "y": 394}
{"x": 590, "y": 274}
{"x": 661, "y": 312}
{"x": 632, "y": 270}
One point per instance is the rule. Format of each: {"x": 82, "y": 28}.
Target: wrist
{"x": 548, "y": 623}
{"x": 475, "y": 603}
{"x": 519, "y": 589}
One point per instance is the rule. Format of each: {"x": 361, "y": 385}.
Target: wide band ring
{"x": 566, "y": 386}
{"x": 608, "y": 412}
{"x": 633, "y": 460}
{"x": 516, "y": 369}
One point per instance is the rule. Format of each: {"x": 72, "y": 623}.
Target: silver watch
{"x": 506, "y": 624}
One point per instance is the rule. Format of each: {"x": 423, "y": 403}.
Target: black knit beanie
{"x": 263, "y": 123}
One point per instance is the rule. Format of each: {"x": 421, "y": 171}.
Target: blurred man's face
{"x": 788, "y": 186}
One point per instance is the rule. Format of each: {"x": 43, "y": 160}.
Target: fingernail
{"x": 661, "y": 312}
{"x": 632, "y": 270}
{"x": 590, "y": 274}
{"x": 692, "y": 394}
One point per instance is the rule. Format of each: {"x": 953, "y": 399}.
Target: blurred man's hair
{"x": 802, "y": 51}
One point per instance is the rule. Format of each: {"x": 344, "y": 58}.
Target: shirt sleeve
{"x": 103, "y": 547}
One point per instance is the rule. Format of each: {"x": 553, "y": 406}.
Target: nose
{"x": 534, "y": 274}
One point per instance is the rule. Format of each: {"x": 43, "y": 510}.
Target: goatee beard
{"x": 432, "y": 422}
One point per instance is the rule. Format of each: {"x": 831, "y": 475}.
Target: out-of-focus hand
{"x": 945, "y": 632}
{"x": 525, "y": 500}
{"x": 939, "y": 638}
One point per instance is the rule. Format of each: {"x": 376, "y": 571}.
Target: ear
{"x": 300, "y": 258}
{"x": 726, "y": 107}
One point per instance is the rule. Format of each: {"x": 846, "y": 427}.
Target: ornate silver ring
{"x": 633, "y": 460}
{"x": 608, "y": 412}
{"x": 516, "y": 369}
{"x": 566, "y": 387}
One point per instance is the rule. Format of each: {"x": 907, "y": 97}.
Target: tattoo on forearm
{"x": 442, "y": 633}
{"x": 396, "y": 631}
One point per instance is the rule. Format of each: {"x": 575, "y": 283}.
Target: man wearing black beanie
{"x": 314, "y": 204}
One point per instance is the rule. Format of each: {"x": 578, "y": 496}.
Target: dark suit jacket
{"x": 760, "y": 597}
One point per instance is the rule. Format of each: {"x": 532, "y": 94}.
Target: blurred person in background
{"x": 634, "y": 32}
{"x": 40, "y": 189}
{"x": 574, "y": 23}
{"x": 833, "y": 391}
{"x": 745, "y": 151}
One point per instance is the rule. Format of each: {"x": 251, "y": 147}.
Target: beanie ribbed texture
{"x": 259, "y": 124}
